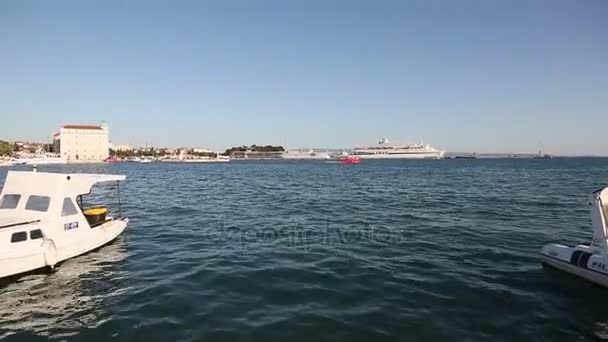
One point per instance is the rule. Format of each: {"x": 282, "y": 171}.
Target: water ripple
{"x": 394, "y": 250}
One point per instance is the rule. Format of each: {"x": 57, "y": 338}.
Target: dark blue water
{"x": 307, "y": 251}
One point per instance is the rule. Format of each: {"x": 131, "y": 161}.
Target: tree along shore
{"x": 254, "y": 148}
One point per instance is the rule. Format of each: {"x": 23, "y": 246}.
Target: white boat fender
{"x": 50, "y": 253}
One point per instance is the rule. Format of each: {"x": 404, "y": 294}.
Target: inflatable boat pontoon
{"x": 586, "y": 261}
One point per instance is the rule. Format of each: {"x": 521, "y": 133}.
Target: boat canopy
{"x": 54, "y": 184}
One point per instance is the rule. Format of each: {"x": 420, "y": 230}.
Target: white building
{"x": 201, "y": 150}
{"x": 122, "y": 148}
{"x": 82, "y": 143}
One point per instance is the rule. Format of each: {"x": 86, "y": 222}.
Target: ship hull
{"x": 436, "y": 155}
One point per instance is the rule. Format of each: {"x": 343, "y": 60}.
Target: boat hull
{"x": 48, "y": 254}
{"x": 41, "y": 161}
{"x": 350, "y": 160}
{"x": 401, "y": 156}
{"x": 578, "y": 261}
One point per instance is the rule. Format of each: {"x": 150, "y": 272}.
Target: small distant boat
{"x": 588, "y": 261}
{"x": 43, "y": 220}
{"x": 350, "y": 160}
{"x": 139, "y": 160}
{"x": 542, "y": 155}
{"x": 110, "y": 160}
{"x": 342, "y": 158}
{"x": 467, "y": 156}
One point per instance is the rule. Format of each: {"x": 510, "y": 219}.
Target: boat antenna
{"x": 119, "y": 204}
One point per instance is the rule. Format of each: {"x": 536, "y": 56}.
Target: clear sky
{"x": 466, "y": 75}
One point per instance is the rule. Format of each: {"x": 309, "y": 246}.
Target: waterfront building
{"x": 122, "y": 148}
{"x": 201, "y": 150}
{"x": 82, "y": 143}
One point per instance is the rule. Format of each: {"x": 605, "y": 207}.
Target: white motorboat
{"x": 43, "y": 220}
{"x": 40, "y": 159}
{"x": 586, "y": 261}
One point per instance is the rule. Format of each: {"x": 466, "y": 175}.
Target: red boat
{"x": 110, "y": 160}
{"x": 350, "y": 160}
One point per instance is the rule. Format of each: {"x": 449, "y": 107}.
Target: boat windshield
{"x": 9, "y": 201}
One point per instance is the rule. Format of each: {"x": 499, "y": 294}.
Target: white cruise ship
{"x": 385, "y": 150}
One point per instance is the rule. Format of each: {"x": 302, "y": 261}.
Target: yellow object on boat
{"x": 96, "y": 211}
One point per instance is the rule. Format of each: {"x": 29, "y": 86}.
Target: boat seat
{"x": 96, "y": 216}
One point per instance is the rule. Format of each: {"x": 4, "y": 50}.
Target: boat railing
{"x": 19, "y": 224}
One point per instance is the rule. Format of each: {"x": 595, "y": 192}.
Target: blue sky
{"x": 483, "y": 75}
